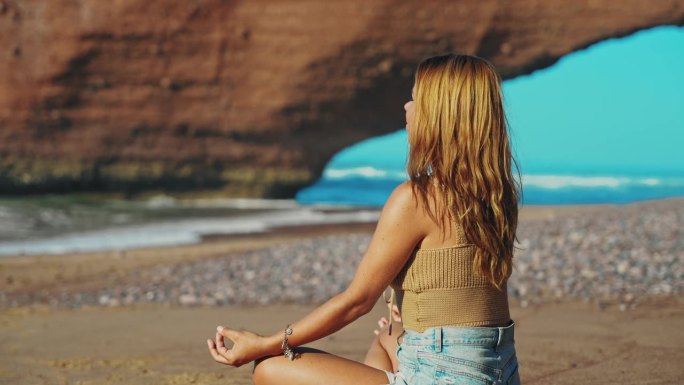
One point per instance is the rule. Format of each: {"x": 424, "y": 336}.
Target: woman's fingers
{"x": 221, "y": 334}
{"x": 218, "y": 349}
{"x": 382, "y": 322}
{"x": 232, "y": 355}
{"x": 231, "y": 334}
{"x": 215, "y": 354}
{"x": 220, "y": 345}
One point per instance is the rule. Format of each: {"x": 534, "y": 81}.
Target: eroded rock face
{"x": 248, "y": 97}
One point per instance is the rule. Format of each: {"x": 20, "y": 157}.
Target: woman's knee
{"x": 265, "y": 370}
{"x": 272, "y": 370}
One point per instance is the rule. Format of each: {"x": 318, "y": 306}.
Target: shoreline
{"x": 196, "y": 230}
{"x": 526, "y": 213}
{"x": 89, "y": 270}
{"x": 35, "y": 272}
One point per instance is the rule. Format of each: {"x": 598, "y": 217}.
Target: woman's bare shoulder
{"x": 403, "y": 197}
{"x": 422, "y": 214}
{"x": 404, "y": 206}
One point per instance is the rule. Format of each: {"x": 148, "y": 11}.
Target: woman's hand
{"x": 247, "y": 347}
{"x": 383, "y": 322}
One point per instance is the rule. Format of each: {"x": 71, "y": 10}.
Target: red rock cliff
{"x": 250, "y": 97}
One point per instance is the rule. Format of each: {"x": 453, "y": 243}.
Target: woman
{"x": 444, "y": 243}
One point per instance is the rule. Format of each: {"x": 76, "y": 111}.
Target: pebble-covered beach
{"x": 613, "y": 255}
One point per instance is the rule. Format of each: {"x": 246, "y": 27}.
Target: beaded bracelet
{"x": 287, "y": 350}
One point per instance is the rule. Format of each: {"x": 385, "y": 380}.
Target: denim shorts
{"x": 457, "y": 355}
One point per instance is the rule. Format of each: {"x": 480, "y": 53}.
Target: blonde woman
{"x": 444, "y": 243}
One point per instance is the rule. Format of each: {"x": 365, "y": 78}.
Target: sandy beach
{"x": 63, "y": 320}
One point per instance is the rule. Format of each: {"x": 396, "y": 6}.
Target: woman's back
{"x": 440, "y": 286}
{"x": 456, "y": 322}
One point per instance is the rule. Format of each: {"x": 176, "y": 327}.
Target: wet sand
{"x": 564, "y": 343}
{"x": 561, "y": 342}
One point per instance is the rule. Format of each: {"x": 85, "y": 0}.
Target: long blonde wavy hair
{"x": 459, "y": 149}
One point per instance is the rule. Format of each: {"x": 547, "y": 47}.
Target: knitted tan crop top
{"x": 437, "y": 287}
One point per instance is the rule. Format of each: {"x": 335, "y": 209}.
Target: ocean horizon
{"x": 368, "y": 185}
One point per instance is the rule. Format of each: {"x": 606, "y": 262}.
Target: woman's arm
{"x": 398, "y": 231}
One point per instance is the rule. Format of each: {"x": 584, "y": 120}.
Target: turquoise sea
{"x": 602, "y": 125}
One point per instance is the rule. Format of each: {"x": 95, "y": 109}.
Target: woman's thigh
{"x": 314, "y": 366}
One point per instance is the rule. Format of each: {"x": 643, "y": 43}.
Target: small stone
{"x": 187, "y": 299}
